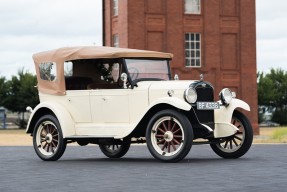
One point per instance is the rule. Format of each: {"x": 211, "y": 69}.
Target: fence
{"x": 2, "y": 118}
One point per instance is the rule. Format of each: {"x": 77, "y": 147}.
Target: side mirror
{"x": 124, "y": 78}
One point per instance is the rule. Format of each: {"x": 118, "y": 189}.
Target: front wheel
{"x": 238, "y": 144}
{"x": 116, "y": 150}
{"x": 48, "y": 139}
{"x": 169, "y": 136}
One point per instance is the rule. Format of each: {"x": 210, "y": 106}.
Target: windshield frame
{"x": 134, "y": 82}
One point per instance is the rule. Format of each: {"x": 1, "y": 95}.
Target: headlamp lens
{"x": 190, "y": 95}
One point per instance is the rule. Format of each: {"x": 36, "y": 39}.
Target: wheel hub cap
{"x": 168, "y": 136}
{"x": 49, "y": 138}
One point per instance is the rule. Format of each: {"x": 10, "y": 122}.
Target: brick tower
{"x": 216, "y": 38}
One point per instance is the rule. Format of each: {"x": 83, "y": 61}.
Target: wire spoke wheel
{"x": 113, "y": 147}
{"x": 117, "y": 150}
{"x": 47, "y": 139}
{"x": 238, "y": 144}
{"x": 233, "y": 143}
{"x": 169, "y": 136}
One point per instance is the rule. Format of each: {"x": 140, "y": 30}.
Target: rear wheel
{"x": 48, "y": 139}
{"x": 117, "y": 150}
{"x": 238, "y": 144}
{"x": 169, "y": 136}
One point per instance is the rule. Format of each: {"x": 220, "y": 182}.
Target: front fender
{"x": 173, "y": 101}
{"x": 60, "y": 112}
{"x": 223, "y": 116}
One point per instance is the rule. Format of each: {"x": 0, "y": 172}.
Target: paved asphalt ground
{"x": 263, "y": 168}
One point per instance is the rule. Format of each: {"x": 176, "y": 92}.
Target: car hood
{"x": 160, "y": 89}
{"x": 175, "y": 84}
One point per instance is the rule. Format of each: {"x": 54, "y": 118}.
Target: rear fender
{"x": 59, "y": 111}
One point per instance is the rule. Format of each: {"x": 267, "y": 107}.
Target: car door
{"x": 109, "y": 100}
{"x": 78, "y": 104}
{"x": 110, "y": 106}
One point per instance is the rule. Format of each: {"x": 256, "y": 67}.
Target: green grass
{"x": 279, "y": 134}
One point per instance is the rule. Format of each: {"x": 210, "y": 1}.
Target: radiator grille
{"x": 205, "y": 93}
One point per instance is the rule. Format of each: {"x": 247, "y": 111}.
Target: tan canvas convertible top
{"x": 72, "y": 53}
{"x": 59, "y": 56}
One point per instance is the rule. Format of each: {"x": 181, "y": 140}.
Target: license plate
{"x": 207, "y": 105}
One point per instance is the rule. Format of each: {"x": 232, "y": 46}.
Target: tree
{"x": 272, "y": 91}
{"x": 3, "y": 89}
{"x": 265, "y": 83}
{"x": 21, "y": 92}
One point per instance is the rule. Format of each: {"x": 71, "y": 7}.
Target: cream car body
{"x": 111, "y": 96}
{"x": 76, "y": 110}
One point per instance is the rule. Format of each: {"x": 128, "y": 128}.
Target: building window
{"x": 192, "y": 50}
{"x": 115, "y": 7}
{"x": 192, "y": 6}
{"x": 116, "y": 40}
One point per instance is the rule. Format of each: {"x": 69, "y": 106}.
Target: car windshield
{"x": 147, "y": 69}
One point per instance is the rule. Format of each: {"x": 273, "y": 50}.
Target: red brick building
{"x": 213, "y": 37}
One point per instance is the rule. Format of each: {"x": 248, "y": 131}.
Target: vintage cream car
{"x": 114, "y": 97}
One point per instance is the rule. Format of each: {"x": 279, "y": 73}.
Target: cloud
{"x": 272, "y": 29}
{"x": 271, "y": 35}
{"x": 270, "y": 10}
{"x": 30, "y": 26}
{"x": 16, "y": 51}
{"x": 272, "y": 53}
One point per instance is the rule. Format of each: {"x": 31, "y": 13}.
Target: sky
{"x": 31, "y": 26}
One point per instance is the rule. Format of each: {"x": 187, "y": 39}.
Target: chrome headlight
{"x": 225, "y": 96}
{"x": 190, "y": 95}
